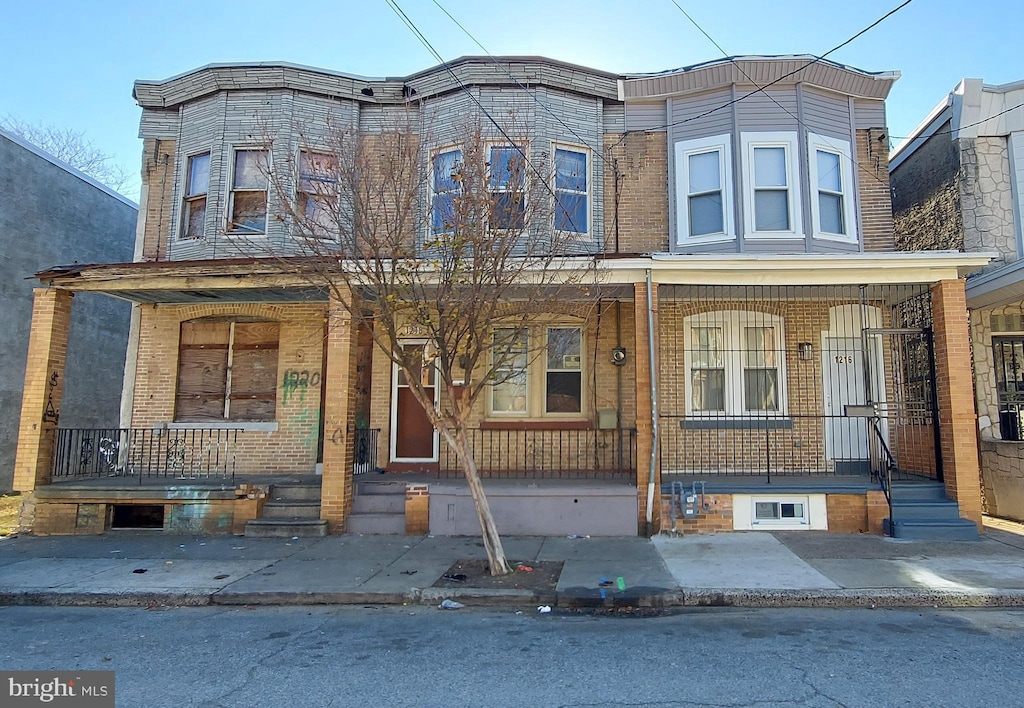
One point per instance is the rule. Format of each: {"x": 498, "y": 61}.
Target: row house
{"x": 758, "y": 355}
{"x": 957, "y": 184}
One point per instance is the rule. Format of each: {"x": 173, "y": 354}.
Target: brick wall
{"x": 873, "y": 185}
{"x": 292, "y": 448}
{"x": 417, "y": 509}
{"x": 159, "y": 171}
{"x": 715, "y": 516}
{"x": 642, "y": 160}
{"x": 954, "y": 384}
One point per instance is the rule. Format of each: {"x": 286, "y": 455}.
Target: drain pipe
{"x": 654, "y": 404}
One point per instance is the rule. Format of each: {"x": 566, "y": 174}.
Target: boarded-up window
{"x": 227, "y": 371}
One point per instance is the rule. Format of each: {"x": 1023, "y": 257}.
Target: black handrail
{"x": 890, "y": 463}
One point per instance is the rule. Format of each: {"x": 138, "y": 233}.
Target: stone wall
{"x": 925, "y": 197}
{"x": 986, "y": 199}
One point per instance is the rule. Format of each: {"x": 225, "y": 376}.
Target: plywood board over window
{"x": 227, "y": 371}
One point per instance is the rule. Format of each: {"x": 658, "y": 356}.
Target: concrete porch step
{"x": 291, "y": 510}
{"x": 368, "y": 487}
{"x": 376, "y": 523}
{"x": 285, "y": 528}
{"x": 295, "y": 492}
{"x": 918, "y": 491}
{"x": 926, "y": 510}
{"x": 378, "y": 503}
{"x": 928, "y": 530}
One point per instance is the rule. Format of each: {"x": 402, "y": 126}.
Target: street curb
{"x": 51, "y": 598}
{"x": 846, "y": 598}
{"x": 483, "y": 597}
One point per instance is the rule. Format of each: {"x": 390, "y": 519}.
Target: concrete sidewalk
{"x": 783, "y": 569}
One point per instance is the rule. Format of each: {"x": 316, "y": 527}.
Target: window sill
{"x": 264, "y": 427}
{"x": 736, "y": 424}
{"x": 536, "y": 425}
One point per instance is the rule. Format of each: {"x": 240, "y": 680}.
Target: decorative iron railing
{"x": 140, "y": 453}
{"x": 553, "y": 454}
{"x": 364, "y": 451}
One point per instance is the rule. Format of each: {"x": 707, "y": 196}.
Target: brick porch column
{"x": 644, "y": 405}
{"x": 954, "y": 384}
{"x": 41, "y": 397}
{"x": 339, "y": 417}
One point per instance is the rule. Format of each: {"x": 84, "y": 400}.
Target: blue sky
{"x": 72, "y": 64}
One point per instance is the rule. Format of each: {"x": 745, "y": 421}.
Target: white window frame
{"x": 187, "y": 199}
{"x": 733, "y": 323}
{"x": 815, "y": 516}
{"x": 230, "y": 205}
{"x": 520, "y": 152}
{"x": 836, "y": 146}
{"x": 434, "y": 154}
{"x": 536, "y": 376}
{"x": 497, "y": 413}
{"x": 299, "y": 232}
{"x": 781, "y": 139}
{"x": 683, "y": 150}
{"x": 588, "y": 193}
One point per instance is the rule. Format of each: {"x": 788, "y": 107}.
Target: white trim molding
{"x": 840, "y": 148}
{"x": 684, "y": 149}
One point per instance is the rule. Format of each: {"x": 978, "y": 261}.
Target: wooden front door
{"x": 413, "y": 438}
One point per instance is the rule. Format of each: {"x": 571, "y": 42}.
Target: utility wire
{"x": 962, "y": 127}
{"x": 517, "y": 82}
{"x": 815, "y": 60}
{"x": 761, "y": 89}
{"x": 426, "y": 43}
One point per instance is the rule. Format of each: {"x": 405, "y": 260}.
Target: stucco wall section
{"x": 925, "y": 197}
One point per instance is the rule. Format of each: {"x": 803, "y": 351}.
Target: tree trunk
{"x": 492, "y": 542}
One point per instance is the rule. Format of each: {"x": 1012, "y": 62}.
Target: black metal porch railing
{"x": 364, "y": 451}
{"x": 140, "y": 453}
{"x": 548, "y": 454}
{"x": 898, "y": 445}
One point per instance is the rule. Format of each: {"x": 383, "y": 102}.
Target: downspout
{"x": 654, "y": 403}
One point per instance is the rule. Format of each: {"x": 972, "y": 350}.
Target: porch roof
{"x": 293, "y": 280}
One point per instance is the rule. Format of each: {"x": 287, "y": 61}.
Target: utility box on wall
{"x": 607, "y": 419}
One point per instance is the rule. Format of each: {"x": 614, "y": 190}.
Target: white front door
{"x": 846, "y": 438}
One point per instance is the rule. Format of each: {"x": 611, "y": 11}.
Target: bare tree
{"x": 466, "y": 247}
{"x": 75, "y": 149}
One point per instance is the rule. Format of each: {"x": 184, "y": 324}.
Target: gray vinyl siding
{"x": 158, "y": 123}
{"x": 759, "y": 112}
{"x": 826, "y": 113}
{"x": 688, "y": 120}
{"x": 614, "y": 118}
{"x": 791, "y": 109}
{"x": 646, "y": 116}
{"x": 228, "y": 121}
{"x": 868, "y": 114}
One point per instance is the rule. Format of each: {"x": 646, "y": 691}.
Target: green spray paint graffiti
{"x": 294, "y": 381}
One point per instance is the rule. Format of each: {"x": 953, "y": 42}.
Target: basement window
{"x": 783, "y": 512}
{"x": 137, "y": 516}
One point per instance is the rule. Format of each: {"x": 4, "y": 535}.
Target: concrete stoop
{"x": 921, "y": 511}
{"x": 378, "y": 507}
{"x": 293, "y": 510}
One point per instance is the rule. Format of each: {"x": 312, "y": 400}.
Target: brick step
{"x": 291, "y": 510}
{"x": 378, "y": 503}
{"x": 285, "y": 528}
{"x": 926, "y": 510}
{"x": 295, "y": 492}
{"x": 927, "y": 530}
{"x": 391, "y": 524}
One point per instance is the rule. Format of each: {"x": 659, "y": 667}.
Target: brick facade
{"x": 292, "y": 447}
{"x": 954, "y": 384}
{"x": 872, "y": 171}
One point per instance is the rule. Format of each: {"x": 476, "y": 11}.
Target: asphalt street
{"x": 418, "y": 656}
